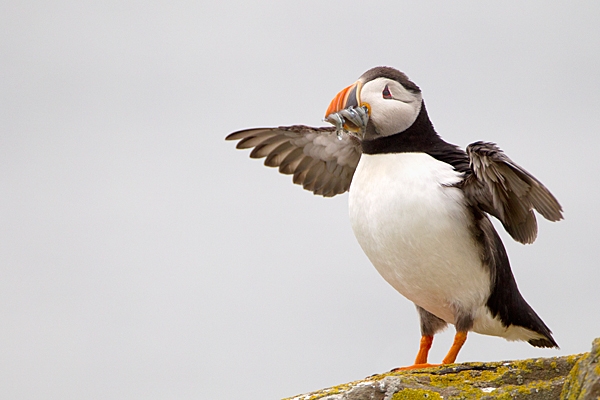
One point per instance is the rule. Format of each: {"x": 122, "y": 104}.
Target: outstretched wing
{"x": 503, "y": 189}
{"x": 318, "y": 159}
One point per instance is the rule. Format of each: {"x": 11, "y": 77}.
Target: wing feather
{"x": 316, "y": 158}
{"x": 275, "y": 158}
{"x": 291, "y": 161}
{"x": 304, "y": 165}
{"x": 505, "y": 190}
{"x": 312, "y": 174}
{"x": 265, "y": 148}
{"x": 253, "y": 141}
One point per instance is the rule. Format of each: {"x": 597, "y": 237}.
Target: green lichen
{"x": 584, "y": 375}
{"x": 537, "y": 378}
{"x": 533, "y": 387}
{"x": 467, "y": 378}
{"x": 595, "y": 355}
{"x": 491, "y": 382}
{"x": 326, "y": 392}
{"x": 416, "y": 394}
{"x": 572, "y": 387}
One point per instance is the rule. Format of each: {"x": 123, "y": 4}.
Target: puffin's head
{"x": 393, "y": 101}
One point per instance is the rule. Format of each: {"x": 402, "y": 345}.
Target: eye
{"x": 386, "y": 92}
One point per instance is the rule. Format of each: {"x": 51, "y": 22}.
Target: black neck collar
{"x": 420, "y": 137}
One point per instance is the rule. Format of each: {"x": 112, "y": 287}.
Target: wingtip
{"x": 235, "y": 135}
{"x": 244, "y": 133}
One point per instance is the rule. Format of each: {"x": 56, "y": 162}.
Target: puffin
{"x": 420, "y": 207}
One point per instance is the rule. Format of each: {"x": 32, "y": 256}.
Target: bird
{"x": 420, "y": 207}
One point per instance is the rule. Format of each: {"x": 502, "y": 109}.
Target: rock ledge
{"x": 569, "y": 377}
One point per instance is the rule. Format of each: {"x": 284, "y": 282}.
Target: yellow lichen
{"x": 416, "y": 394}
{"x": 493, "y": 380}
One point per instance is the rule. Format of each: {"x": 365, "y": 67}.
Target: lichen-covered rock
{"x": 527, "y": 379}
{"x": 584, "y": 380}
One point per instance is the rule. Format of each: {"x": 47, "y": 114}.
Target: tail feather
{"x": 505, "y": 301}
{"x": 547, "y": 342}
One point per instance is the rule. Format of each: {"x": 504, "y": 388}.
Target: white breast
{"x": 417, "y": 232}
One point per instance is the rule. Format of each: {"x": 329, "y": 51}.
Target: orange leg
{"x": 424, "y": 347}
{"x": 459, "y": 339}
{"x": 421, "y": 360}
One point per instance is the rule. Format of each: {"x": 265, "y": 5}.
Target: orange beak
{"x": 349, "y": 96}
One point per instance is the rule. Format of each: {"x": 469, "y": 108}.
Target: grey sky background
{"x": 142, "y": 256}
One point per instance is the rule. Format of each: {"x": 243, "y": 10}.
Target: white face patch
{"x": 390, "y": 115}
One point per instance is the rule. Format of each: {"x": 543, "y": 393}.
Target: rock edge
{"x": 574, "y": 377}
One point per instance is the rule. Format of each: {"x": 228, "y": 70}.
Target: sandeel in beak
{"x": 347, "y": 114}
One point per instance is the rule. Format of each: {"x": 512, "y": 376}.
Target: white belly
{"x": 417, "y": 233}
